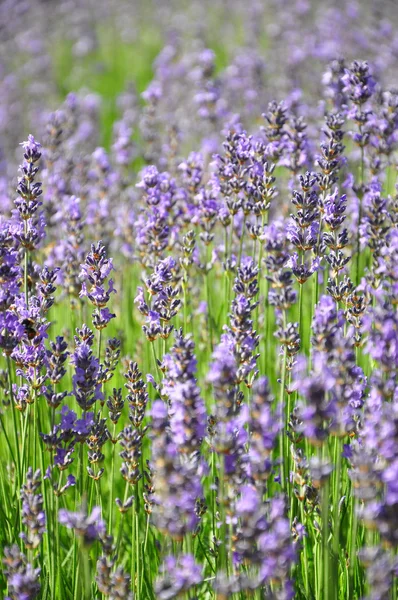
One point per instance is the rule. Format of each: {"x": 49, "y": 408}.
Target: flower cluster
{"x": 235, "y": 434}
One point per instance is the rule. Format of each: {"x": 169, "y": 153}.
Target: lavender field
{"x": 199, "y": 299}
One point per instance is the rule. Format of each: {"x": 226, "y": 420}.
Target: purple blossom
{"x": 86, "y": 384}
{"x": 89, "y": 528}
{"x": 177, "y": 575}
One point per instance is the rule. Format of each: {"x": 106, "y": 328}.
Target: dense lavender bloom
{"x": 374, "y": 466}
{"x": 263, "y": 541}
{"x": 70, "y": 424}
{"x": 359, "y": 87}
{"x": 33, "y": 515}
{"x": 22, "y": 577}
{"x": 89, "y": 528}
{"x": 228, "y": 421}
{"x": 153, "y": 227}
{"x": 131, "y": 441}
{"x": 111, "y": 360}
{"x": 9, "y": 267}
{"x": 123, "y": 146}
{"x": 381, "y": 569}
{"x": 192, "y": 172}
{"x": 115, "y": 404}
{"x": 332, "y": 206}
{"x": 208, "y": 227}
{"x": 70, "y": 253}
{"x": 187, "y": 411}
{"x": 30, "y": 355}
{"x": 384, "y": 138}
{"x": 187, "y": 414}
{"x": 177, "y": 575}
{"x": 63, "y": 437}
{"x": 298, "y": 148}
{"x": 303, "y": 231}
{"x": 232, "y": 177}
{"x": 23, "y": 319}
{"x": 96, "y": 438}
{"x": 95, "y": 271}
{"x": 163, "y": 302}
{"x": 334, "y": 86}
{"x": 281, "y": 295}
{"x": 242, "y": 335}
{"x": 301, "y": 270}
{"x": 177, "y": 479}
{"x": 113, "y": 583}
{"x": 334, "y": 391}
{"x": 222, "y": 375}
{"x": 376, "y": 218}
{"x": 149, "y": 123}
{"x": 46, "y": 288}
{"x": 381, "y": 325}
{"x": 28, "y": 203}
{"x": 275, "y": 131}
{"x": 264, "y": 426}
{"x": 359, "y": 84}
{"x": 319, "y": 408}
{"x": 29, "y": 222}
{"x": 86, "y": 386}
{"x": 137, "y": 397}
{"x": 277, "y": 544}
{"x": 56, "y": 358}
{"x": 102, "y": 187}
{"x": 11, "y": 332}
{"x": 330, "y": 159}
{"x": 334, "y": 216}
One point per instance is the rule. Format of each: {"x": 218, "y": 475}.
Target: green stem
{"x": 282, "y": 413}
{"x": 111, "y": 502}
{"x": 152, "y": 344}
{"x": 48, "y": 538}
{"x": 353, "y": 545}
{"x": 120, "y": 531}
{"x": 185, "y": 300}
{"x": 57, "y": 542}
{"x": 25, "y": 436}
{"x": 84, "y": 557}
{"x": 223, "y": 528}
{"x": 99, "y": 343}
{"x": 242, "y": 235}
{"x": 208, "y": 300}
{"x": 133, "y": 555}
{"x": 14, "y": 421}
{"x": 301, "y": 315}
{"x": 137, "y": 553}
{"x": 25, "y": 276}
{"x": 325, "y": 546}
{"x": 337, "y": 488}
{"x": 305, "y": 566}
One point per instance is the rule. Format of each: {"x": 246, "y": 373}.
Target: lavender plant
{"x": 226, "y": 424}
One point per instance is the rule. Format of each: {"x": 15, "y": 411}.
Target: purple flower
{"x": 86, "y": 384}
{"x": 22, "y": 577}
{"x": 248, "y": 501}
{"x": 89, "y": 528}
{"x": 28, "y": 227}
{"x": 95, "y": 270}
{"x": 68, "y": 418}
{"x": 33, "y": 515}
{"x": 63, "y": 457}
{"x": 177, "y": 575}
